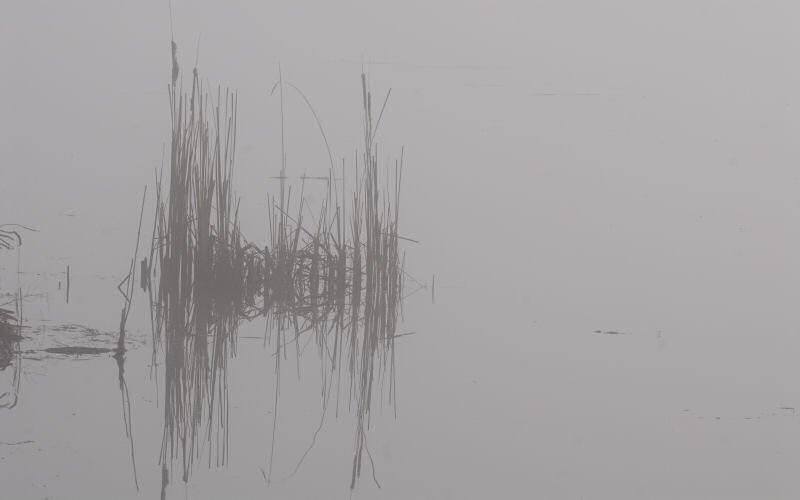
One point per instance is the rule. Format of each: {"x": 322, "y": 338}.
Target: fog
{"x": 607, "y": 196}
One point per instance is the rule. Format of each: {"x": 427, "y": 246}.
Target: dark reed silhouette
{"x": 10, "y": 353}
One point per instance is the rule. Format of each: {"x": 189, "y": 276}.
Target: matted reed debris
{"x": 333, "y": 278}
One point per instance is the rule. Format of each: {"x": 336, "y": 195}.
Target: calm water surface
{"x": 567, "y": 170}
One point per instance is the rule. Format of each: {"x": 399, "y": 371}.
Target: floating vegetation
{"x": 610, "y": 332}
{"x": 78, "y": 350}
{"x": 82, "y": 330}
{"x": 76, "y": 337}
{"x": 336, "y": 281}
{"x": 71, "y": 340}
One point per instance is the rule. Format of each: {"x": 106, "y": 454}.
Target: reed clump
{"x": 8, "y": 338}
{"x": 197, "y": 264}
{"x": 10, "y": 352}
{"x": 333, "y": 278}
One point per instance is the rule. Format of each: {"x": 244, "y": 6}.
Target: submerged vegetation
{"x": 336, "y": 281}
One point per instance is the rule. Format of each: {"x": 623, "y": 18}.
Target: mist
{"x": 399, "y": 250}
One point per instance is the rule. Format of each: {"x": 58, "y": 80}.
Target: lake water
{"x": 630, "y": 171}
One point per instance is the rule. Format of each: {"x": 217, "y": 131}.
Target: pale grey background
{"x": 569, "y": 167}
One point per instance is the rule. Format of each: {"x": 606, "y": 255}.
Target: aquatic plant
{"x": 197, "y": 258}
{"x": 10, "y": 353}
{"x": 337, "y": 280}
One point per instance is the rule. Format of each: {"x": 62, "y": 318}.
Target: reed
{"x": 10, "y": 352}
{"x": 8, "y": 338}
{"x": 330, "y": 277}
{"x": 129, "y": 284}
{"x": 340, "y": 282}
{"x": 10, "y": 237}
{"x": 198, "y": 261}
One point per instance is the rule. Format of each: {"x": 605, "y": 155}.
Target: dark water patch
{"x": 78, "y": 350}
{"x": 610, "y": 332}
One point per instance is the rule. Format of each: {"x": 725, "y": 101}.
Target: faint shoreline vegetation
{"x": 8, "y": 337}
{"x": 11, "y": 321}
{"x": 10, "y": 353}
